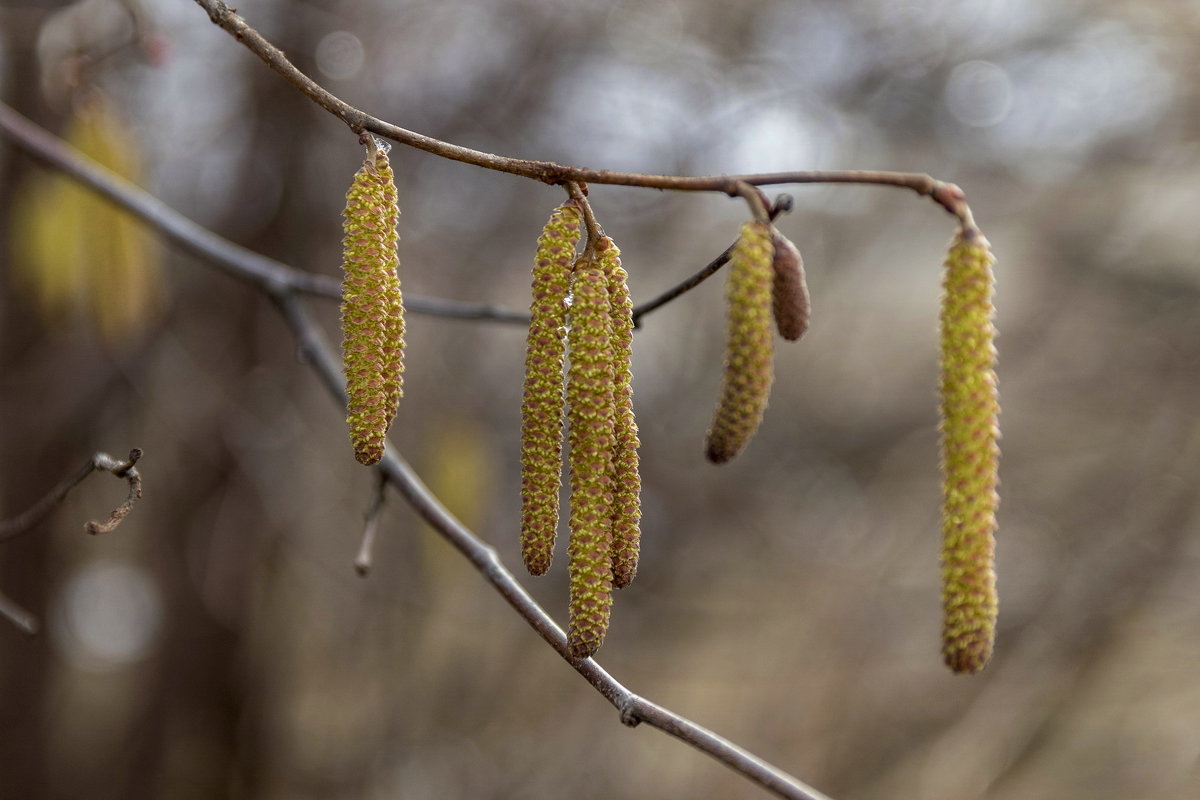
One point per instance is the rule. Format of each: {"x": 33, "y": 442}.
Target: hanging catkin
{"x": 790, "y": 302}
{"x": 542, "y": 407}
{"x": 748, "y": 352}
{"x": 590, "y": 396}
{"x": 970, "y": 455}
{"x": 626, "y": 482}
{"x": 372, "y": 307}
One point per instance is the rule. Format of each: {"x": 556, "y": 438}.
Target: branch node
{"x": 362, "y": 562}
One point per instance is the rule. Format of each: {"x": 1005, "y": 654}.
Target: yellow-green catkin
{"x": 542, "y": 406}
{"x": 790, "y": 302}
{"x": 372, "y": 307}
{"x": 590, "y": 395}
{"x": 970, "y": 455}
{"x": 626, "y": 481}
{"x": 748, "y": 351}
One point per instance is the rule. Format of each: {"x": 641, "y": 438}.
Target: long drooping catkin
{"x": 626, "y": 482}
{"x": 790, "y": 302}
{"x": 970, "y": 455}
{"x": 542, "y": 407}
{"x": 590, "y": 412}
{"x": 748, "y": 351}
{"x": 372, "y": 307}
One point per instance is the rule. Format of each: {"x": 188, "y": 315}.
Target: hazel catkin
{"x": 626, "y": 482}
{"x": 748, "y": 374}
{"x": 372, "y": 306}
{"x": 970, "y": 454}
{"x": 542, "y": 406}
{"x": 590, "y": 394}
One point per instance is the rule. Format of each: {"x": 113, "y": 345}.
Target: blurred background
{"x": 219, "y": 643}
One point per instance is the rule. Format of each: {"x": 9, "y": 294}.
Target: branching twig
{"x": 26, "y": 521}
{"x": 231, "y": 258}
{"x": 633, "y": 709}
{"x": 362, "y": 562}
{"x": 547, "y": 171}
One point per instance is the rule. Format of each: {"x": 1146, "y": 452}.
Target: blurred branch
{"x": 231, "y": 258}
{"x": 633, "y": 709}
{"x": 362, "y": 562}
{"x": 25, "y": 522}
{"x": 947, "y": 195}
{"x": 24, "y": 621}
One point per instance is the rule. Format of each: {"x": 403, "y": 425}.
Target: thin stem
{"x": 362, "y": 562}
{"x": 27, "y": 520}
{"x": 547, "y": 171}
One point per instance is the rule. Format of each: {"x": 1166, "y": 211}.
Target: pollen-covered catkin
{"x": 590, "y": 386}
{"x": 372, "y": 307}
{"x": 542, "y": 407}
{"x": 626, "y": 482}
{"x": 790, "y": 302}
{"x": 970, "y": 455}
{"x": 748, "y": 351}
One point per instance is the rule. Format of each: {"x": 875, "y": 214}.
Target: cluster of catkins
{"x": 578, "y": 363}
{"x": 581, "y": 307}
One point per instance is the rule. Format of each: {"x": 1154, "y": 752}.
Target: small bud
{"x": 542, "y": 407}
{"x": 626, "y": 483}
{"x": 789, "y": 291}
{"x": 372, "y": 307}
{"x": 590, "y": 386}
{"x": 970, "y": 455}
{"x": 748, "y": 351}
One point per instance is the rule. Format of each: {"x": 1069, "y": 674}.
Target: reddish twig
{"x": 547, "y": 171}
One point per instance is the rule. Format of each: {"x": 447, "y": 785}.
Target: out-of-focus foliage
{"x": 78, "y": 257}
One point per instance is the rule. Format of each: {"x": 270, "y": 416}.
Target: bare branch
{"x": 633, "y": 709}
{"x": 28, "y": 520}
{"x": 547, "y": 171}
{"x": 231, "y": 258}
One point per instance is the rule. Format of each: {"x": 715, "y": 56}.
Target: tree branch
{"x": 946, "y": 195}
{"x": 198, "y": 240}
{"x": 633, "y": 709}
{"x": 28, "y": 520}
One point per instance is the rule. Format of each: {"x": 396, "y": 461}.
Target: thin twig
{"x": 547, "y": 171}
{"x": 362, "y": 562}
{"x": 782, "y": 205}
{"x": 28, "y": 519}
{"x": 633, "y": 709}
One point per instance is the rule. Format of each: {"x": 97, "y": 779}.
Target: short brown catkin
{"x": 790, "y": 302}
{"x": 542, "y": 407}
{"x": 626, "y": 482}
{"x": 748, "y": 351}
{"x": 970, "y": 455}
{"x": 372, "y": 307}
{"x": 590, "y": 397}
